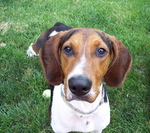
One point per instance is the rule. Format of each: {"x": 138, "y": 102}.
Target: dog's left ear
{"x": 120, "y": 65}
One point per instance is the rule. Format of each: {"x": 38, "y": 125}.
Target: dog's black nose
{"x": 80, "y": 85}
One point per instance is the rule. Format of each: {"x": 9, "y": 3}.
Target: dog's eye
{"x": 68, "y": 50}
{"x": 100, "y": 52}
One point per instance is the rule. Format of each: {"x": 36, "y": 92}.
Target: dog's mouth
{"x": 88, "y": 97}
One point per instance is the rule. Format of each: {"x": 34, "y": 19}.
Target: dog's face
{"x": 80, "y": 58}
{"x": 85, "y": 58}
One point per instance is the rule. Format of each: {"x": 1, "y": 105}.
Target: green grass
{"x": 22, "y": 108}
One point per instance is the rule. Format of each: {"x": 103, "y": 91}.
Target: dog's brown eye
{"x": 68, "y": 50}
{"x": 100, "y": 52}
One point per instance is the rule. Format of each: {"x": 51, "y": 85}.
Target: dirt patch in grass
{"x": 4, "y": 27}
{"x": 2, "y": 44}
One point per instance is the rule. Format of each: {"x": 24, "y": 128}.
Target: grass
{"x": 22, "y": 108}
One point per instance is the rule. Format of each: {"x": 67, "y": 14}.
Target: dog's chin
{"x": 86, "y": 98}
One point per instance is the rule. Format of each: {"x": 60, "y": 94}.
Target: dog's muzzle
{"x": 80, "y": 85}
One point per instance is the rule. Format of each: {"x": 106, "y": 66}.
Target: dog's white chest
{"x": 65, "y": 119}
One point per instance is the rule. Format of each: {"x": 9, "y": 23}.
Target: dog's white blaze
{"x": 79, "y": 68}
{"x": 53, "y": 33}
{"x": 77, "y": 71}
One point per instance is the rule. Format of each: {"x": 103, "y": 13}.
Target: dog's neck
{"x": 102, "y": 97}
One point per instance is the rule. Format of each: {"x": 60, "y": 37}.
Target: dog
{"x": 78, "y": 62}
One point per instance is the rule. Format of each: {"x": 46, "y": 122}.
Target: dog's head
{"x": 80, "y": 58}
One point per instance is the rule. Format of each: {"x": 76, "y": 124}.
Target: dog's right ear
{"x": 50, "y": 56}
{"x": 50, "y": 60}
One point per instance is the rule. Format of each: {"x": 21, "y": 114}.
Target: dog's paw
{"x": 30, "y": 51}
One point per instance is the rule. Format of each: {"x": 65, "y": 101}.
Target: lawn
{"x": 22, "y": 107}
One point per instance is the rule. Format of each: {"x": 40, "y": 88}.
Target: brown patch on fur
{"x": 36, "y": 50}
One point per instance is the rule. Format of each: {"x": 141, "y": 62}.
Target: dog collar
{"x": 76, "y": 109}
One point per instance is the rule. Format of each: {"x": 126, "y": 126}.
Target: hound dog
{"x": 77, "y": 62}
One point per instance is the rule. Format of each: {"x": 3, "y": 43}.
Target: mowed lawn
{"x": 22, "y": 107}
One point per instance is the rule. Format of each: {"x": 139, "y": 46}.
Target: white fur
{"x": 53, "y": 33}
{"x": 79, "y": 68}
{"x": 30, "y": 51}
{"x": 64, "y": 119}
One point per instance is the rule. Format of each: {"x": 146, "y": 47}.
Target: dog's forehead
{"x": 87, "y": 33}
{"x": 87, "y": 36}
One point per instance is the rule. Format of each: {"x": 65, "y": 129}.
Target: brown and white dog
{"x": 76, "y": 61}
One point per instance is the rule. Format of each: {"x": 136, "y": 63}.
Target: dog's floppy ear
{"x": 120, "y": 65}
{"x": 49, "y": 58}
